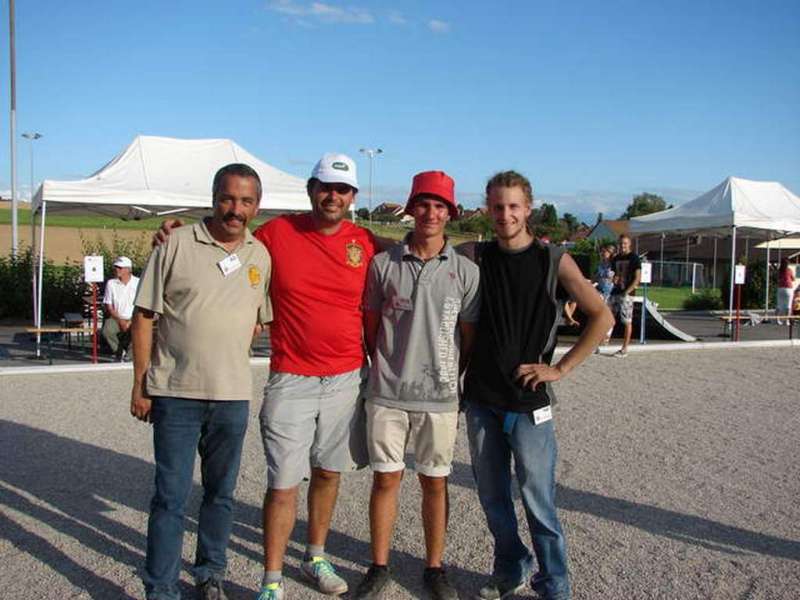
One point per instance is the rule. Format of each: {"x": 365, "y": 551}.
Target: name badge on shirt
{"x": 229, "y": 264}
{"x": 542, "y": 415}
{"x": 402, "y": 303}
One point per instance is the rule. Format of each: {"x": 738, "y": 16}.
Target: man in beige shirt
{"x": 208, "y": 284}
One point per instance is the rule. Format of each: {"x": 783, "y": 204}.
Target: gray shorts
{"x": 388, "y": 433}
{"x": 315, "y": 422}
{"x": 623, "y": 306}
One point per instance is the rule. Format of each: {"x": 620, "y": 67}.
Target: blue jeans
{"x": 534, "y": 450}
{"x": 182, "y": 427}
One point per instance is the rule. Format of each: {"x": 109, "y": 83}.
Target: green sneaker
{"x": 322, "y": 573}
{"x": 271, "y": 591}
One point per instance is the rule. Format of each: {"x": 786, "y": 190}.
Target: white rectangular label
{"x": 93, "y": 269}
{"x": 647, "y": 272}
{"x": 738, "y": 277}
{"x": 230, "y": 264}
{"x": 542, "y": 415}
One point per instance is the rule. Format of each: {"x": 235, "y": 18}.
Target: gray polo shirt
{"x": 206, "y": 318}
{"x": 415, "y": 366}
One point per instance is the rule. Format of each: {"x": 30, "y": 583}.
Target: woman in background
{"x": 786, "y": 283}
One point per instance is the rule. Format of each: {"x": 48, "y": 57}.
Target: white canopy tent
{"x": 158, "y": 176}
{"x": 763, "y": 210}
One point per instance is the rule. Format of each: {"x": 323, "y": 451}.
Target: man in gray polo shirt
{"x": 421, "y": 304}
{"x": 208, "y": 283}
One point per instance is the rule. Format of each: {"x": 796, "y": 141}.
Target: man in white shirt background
{"x": 118, "y": 304}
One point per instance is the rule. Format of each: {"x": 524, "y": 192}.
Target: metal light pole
{"x": 13, "y": 130}
{"x": 31, "y": 137}
{"x": 371, "y": 152}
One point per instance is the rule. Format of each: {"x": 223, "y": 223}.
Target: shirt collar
{"x": 444, "y": 253}
{"x": 202, "y": 235}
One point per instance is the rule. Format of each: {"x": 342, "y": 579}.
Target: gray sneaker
{"x": 271, "y": 591}
{"x": 496, "y": 590}
{"x": 324, "y": 576}
{"x": 210, "y": 589}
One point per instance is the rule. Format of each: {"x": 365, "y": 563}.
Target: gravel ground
{"x": 678, "y": 479}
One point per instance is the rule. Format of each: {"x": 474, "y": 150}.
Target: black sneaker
{"x": 497, "y": 590}
{"x": 434, "y": 580}
{"x": 373, "y": 583}
{"x": 210, "y": 589}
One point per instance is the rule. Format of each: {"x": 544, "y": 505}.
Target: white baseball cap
{"x": 123, "y": 261}
{"x": 336, "y": 168}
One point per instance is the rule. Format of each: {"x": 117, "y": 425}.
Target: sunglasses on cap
{"x": 339, "y": 188}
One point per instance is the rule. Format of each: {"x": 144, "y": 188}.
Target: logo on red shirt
{"x": 355, "y": 254}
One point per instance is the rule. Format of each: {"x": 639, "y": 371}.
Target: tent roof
{"x": 159, "y": 175}
{"x": 758, "y": 208}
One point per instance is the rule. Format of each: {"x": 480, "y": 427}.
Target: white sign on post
{"x": 646, "y": 273}
{"x": 93, "y": 269}
{"x": 738, "y": 275}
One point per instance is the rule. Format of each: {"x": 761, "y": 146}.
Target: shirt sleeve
{"x": 150, "y": 294}
{"x": 471, "y": 301}
{"x": 265, "y": 309}
{"x": 373, "y": 292}
{"x": 108, "y": 295}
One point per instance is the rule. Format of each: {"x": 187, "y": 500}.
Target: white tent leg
{"x": 40, "y": 278}
{"x": 663, "y": 235}
{"x": 766, "y": 286}
{"x": 687, "y": 259}
{"x": 733, "y": 275}
{"x": 714, "y": 271}
{"x": 33, "y": 266}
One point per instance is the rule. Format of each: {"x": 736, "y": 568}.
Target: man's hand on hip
{"x": 532, "y": 374}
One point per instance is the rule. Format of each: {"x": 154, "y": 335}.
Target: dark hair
{"x": 784, "y": 263}
{"x": 625, "y": 236}
{"x": 238, "y": 169}
{"x": 510, "y": 179}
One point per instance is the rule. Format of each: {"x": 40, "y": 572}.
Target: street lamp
{"x": 31, "y": 137}
{"x": 372, "y": 153}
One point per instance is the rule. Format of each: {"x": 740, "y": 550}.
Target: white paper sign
{"x": 647, "y": 273}
{"x": 738, "y": 276}
{"x": 93, "y": 269}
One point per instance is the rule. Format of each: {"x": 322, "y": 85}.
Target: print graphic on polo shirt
{"x": 355, "y": 254}
{"x": 253, "y": 275}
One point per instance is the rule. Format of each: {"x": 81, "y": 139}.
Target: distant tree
{"x": 546, "y": 215}
{"x": 362, "y": 213}
{"x": 644, "y": 204}
{"x": 570, "y": 222}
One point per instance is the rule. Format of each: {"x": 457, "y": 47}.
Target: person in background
{"x": 786, "y": 284}
{"x": 627, "y": 272}
{"x": 118, "y": 306}
{"x": 604, "y": 278}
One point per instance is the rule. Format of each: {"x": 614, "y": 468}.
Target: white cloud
{"x": 397, "y": 18}
{"x": 438, "y": 26}
{"x": 322, "y": 12}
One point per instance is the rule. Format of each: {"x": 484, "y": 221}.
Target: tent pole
{"x": 663, "y": 235}
{"x": 714, "y": 270}
{"x": 747, "y": 249}
{"x": 41, "y": 278}
{"x": 687, "y": 258}
{"x": 766, "y": 292}
{"x": 733, "y": 275}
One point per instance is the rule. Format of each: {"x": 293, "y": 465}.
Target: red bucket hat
{"x": 434, "y": 183}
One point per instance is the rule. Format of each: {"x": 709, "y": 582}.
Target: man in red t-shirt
{"x": 311, "y": 400}
{"x": 311, "y": 403}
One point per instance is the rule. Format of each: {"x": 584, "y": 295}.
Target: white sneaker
{"x": 271, "y": 591}
{"x": 322, "y": 573}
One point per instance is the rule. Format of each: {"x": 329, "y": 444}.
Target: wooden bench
{"x": 48, "y": 333}
{"x": 728, "y": 320}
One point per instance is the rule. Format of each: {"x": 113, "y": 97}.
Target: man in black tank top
{"x": 508, "y": 389}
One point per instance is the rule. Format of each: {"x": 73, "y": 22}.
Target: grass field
{"x": 667, "y": 297}
{"x": 392, "y": 231}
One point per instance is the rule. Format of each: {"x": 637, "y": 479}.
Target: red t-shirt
{"x": 316, "y": 291}
{"x": 786, "y": 278}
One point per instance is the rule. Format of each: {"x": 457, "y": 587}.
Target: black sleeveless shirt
{"x": 517, "y": 325}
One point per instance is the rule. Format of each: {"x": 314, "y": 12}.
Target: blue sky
{"x": 594, "y": 101}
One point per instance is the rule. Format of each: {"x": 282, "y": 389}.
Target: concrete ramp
{"x": 656, "y": 326}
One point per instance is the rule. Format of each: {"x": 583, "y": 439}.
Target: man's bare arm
{"x": 598, "y": 322}
{"x": 142, "y": 340}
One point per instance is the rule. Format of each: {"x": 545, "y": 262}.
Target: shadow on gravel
{"x": 75, "y": 488}
{"x": 689, "y": 529}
